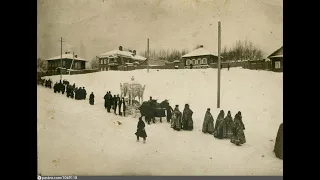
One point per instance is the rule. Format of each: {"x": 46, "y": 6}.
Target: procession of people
{"x": 225, "y": 127}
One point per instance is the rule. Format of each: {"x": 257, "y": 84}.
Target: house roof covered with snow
{"x": 198, "y": 52}
{"x": 116, "y": 53}
{"x": 138, "y": 58}
{"x": 278, "y": 53}
{"x": 66, "y": 56}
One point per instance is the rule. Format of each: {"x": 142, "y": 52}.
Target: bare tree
{"x": 242, "y": 50}
{"x": 42, "y": 64}
{"x": 95, "y": 63}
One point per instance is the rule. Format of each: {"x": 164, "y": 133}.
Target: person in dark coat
{"x": 84, "y": 93}
{"x": 187, "y": 122}
{"x": 228, "y": 126}
{"x": 278, "y": 146}
{"x": 55, "y": 87}
{"x": 191, "y": 66}
{"x": 124, "y": 107}
{"x": 106, "y": 99}
{"x": 208, "y": 123}
{"x": 74, "y": 85}
{"x": 115, "y": 103}
{"x": 141, "y": 132}
{"x": 228, "y": 67}
{"x": 110, "y": 101}
{"x": 169, "y": 113}
{"x": 238, "y": 137}
{"x": 119, "y": 105}
{"x": 63, "y": 88}
{"x": 218, "y": 130}
{"x": 91, "y": 98}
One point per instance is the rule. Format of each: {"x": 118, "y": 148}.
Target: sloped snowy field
{"x": 76, "y": 138}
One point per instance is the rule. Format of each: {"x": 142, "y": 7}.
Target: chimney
{"x": 66, "y": 52}
{"x": 120, "y": 48}
{"x": 134, "y": 52}
{"x": 201, "y": 46}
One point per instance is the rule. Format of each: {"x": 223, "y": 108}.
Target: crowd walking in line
{"x": 225, "y": 127}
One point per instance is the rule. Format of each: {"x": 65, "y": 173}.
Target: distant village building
{"x": 119, "y": 60}
{"x": 153, "y": 64}
{"x": 54, "y": 63}
{"x": 276, "y": 59}
{"x": 199, "y": 58}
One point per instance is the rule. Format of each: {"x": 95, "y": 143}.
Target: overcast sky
{"x": 103, "y": 25}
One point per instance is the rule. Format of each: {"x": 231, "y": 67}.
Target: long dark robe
{"x": 218, "y": 132}
{"x": 106, "y": 99}
{"x": 208, "y": 123}
{"x": 91, "y": 99}
{"x": 238, "y": 136}
{"x": 120, "y": 104}
{"x": 278, "y": 146}
{"x": 141, "y": 132}
{"x": 227, "y": 127}
{"x": 187, "y": 119}
{"x": 169, "y": 113}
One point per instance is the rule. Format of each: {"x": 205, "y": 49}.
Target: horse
{"x": 151, "y": 109}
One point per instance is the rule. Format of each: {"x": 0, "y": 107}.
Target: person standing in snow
{"x": 115, "y": 104}
{"x": 109, "y": 101}
{"x": 84, "y": 93}
{"x": 228, "y": 66}
{"x": 120, "y": 104}
{"x": 124, "y": 107}
{"x": 187, "y": 122}
{"x": 238, "y": 137}
{"x": 63, "y": 88}
{"x": 91, "y": 99}
{"x": 227, "y": 126}
{"x": 218, "y": 131}
{"x": 106, "y": 99}
{"x": 208, "y": 123}
{"x": 176, "y": 119}
{"x": 169, "y": 113}
{"x": 141, "y": 132}
{"x": 278, "y": 146}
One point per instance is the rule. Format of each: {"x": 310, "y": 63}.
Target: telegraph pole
{"x": 61, "y": 60}
{"x": 148, "y": 54}
{"x": 219, "y": 63}
{"x": 71, "y": 63}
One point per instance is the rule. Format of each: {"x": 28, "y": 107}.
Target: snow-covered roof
{"x": 117, "y": 52}
{"x": 277, "y": 53}
{"x": 198, "y": 52}
{"x": 176, "y": 61}
{"x": 138, "y": 58}
{"x": 66, "y": 56}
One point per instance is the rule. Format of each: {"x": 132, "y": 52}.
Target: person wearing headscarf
{"x": 208, "y": 123}
{"x": 91, "y": 98}
{"x": 218, "y": 130}
{"x": 141, "y": 132}
{"x": 238, "y": 136}
{"x": 227, "y": 126}
{"x": 187, "y": 121}
{"x": 278, "y": 146}
{"x": 176, "y": 119}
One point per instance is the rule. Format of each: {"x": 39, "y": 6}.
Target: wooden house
{"x": 276, "y": 59}
{"x": 199, "y": 58}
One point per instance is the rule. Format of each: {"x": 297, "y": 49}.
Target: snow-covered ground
{"x": 77, "y": 138}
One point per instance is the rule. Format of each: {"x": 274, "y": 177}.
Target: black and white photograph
{"x": 160, "y": 87}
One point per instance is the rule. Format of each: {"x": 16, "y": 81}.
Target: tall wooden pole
{"x": 219, "y": 63}
{"x": 148, "y": 55}
{"x": 61, "y": 61}
{"x": 71, "y": 63}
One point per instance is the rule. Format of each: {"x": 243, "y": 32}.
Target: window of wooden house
{"x": 193, "y": 61}
{"x": 277, "y": 64}
{"x": 63, "y": 63}
{"x": 204, "y": 61}
{"x": 199, "y": 61}
{"x": 188, "y": 62}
